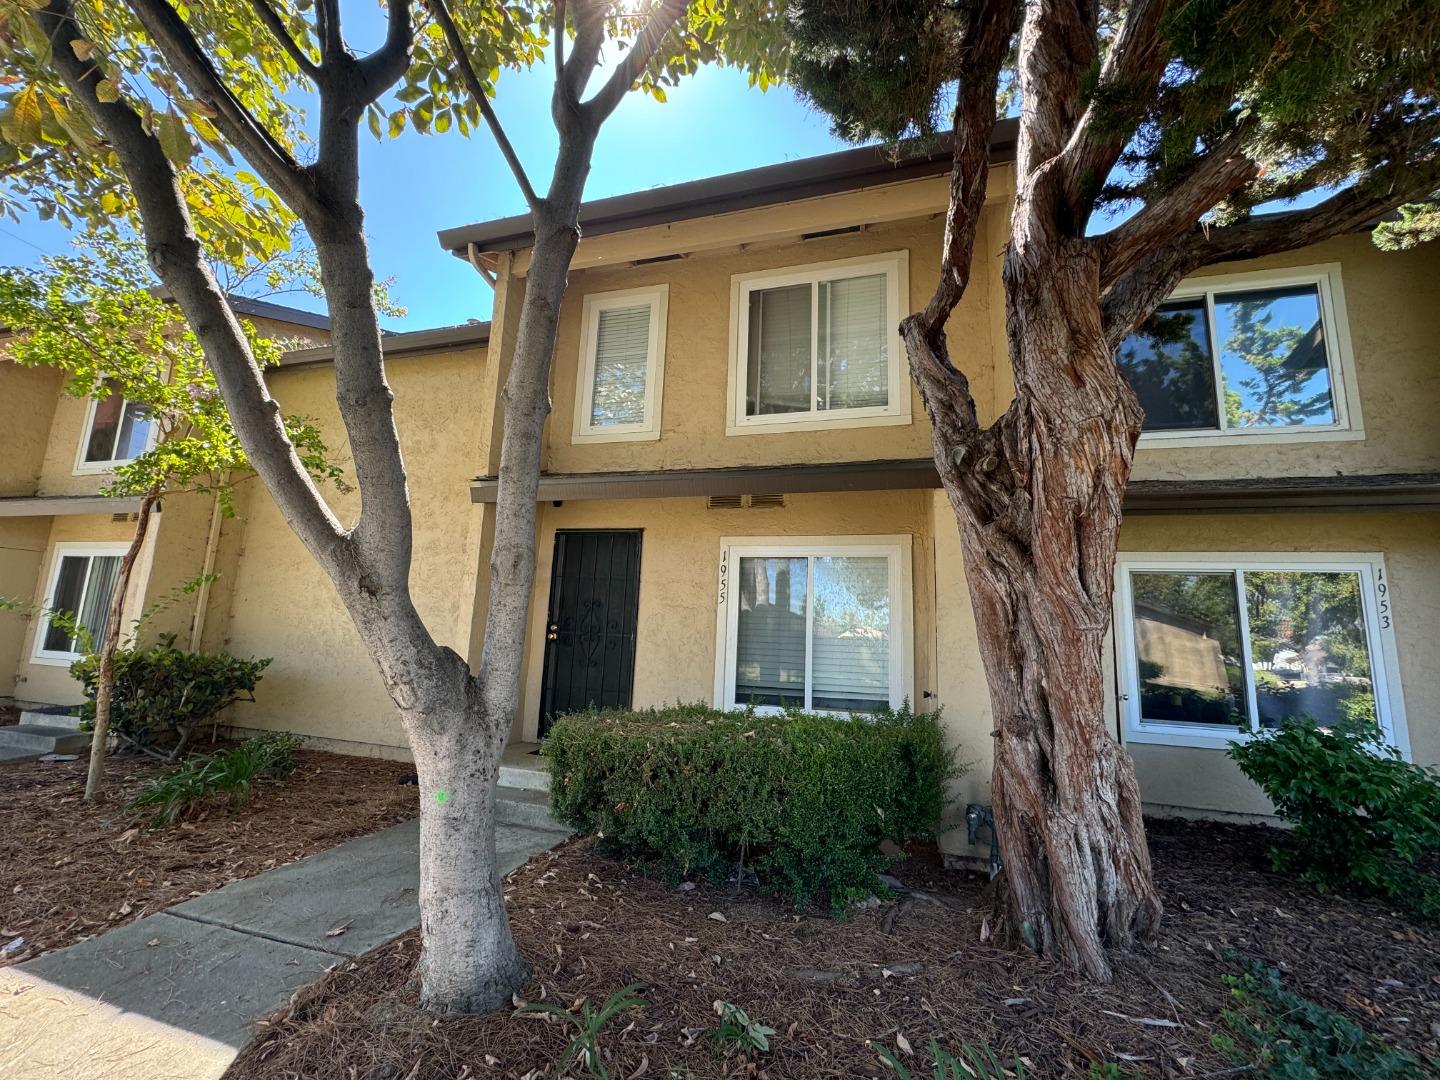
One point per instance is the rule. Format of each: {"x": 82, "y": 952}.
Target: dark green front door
{"x": 590, "y": 632}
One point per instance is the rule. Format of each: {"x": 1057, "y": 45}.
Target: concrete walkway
{"x": 176, "y": 994}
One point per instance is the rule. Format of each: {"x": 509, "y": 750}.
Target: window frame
{"x": 895, "y": 265}
{"x": 83, "y": 467}
{"x": 1376, "y": 606}
{"x": 62, "y": 550}
{"x": 894, "y": 547}
{"x": 595, "y": 304}
{"x": 1339, "y": 356}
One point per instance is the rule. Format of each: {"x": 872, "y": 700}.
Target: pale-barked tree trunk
{"x": 109, "y": 645}
{"x": 456, "y": 721}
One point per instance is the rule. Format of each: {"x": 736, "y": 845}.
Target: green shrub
{"x": 233, "y": 773}
{"x": 164, "y": 695}
{"x": 1364, "y": 818}
{"x": 1296, "y": 1039}
{"x": 801, "y": 800}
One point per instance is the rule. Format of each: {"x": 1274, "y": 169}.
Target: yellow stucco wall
{"x": 697, "y": 351}
{"x": 51, "y": 682}
{"x": 679, "y": 577}
{"x": 1187, "y": 778}
{"x": 27, "y": 399}
{"x": 1391, "y": 305}
{"x": 22, "y": 551}
{"x": 273, "y": 600}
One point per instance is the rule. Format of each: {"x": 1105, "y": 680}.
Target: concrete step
{"x": 520, "y": 806}
{"x": 44, "y": 718}
{"x": 43, "y": 739}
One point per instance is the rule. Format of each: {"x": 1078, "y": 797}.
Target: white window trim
{"x": 87, "y": 468}
{"x": 1379, "y": 628}
{"x": 648, "y": 430}
{"x": 896, "y": 266}
{"x": 1340, "y": 355}
{"x": 55, "y": 657}
{"x": 895, "y": 547}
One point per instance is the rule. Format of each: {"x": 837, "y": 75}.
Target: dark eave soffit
{"x": 1420, "y": 491}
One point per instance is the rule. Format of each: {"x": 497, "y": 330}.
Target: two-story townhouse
{"x": 61, "y": 540}
{"x": 739, "y": 506}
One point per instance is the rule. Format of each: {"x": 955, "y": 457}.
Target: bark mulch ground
{"x": 914, "y": 969}
{"x": 73, "y": 869}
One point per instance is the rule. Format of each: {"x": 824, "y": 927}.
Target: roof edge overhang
{"x": 769, "y": 185}
{"x": 65, "y": 505}
{"x": 439, "y": 339}
{"x": 1418, "y": 491}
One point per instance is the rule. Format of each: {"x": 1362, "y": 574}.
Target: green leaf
{"x": 174, "y": 138}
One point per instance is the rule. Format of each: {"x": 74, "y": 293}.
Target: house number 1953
{"x": 1382, "y": 590}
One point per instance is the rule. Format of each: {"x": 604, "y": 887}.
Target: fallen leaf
{"x": 156, "y": 941}
{"x": 903, "y": 1043}
{"x": 717, "y": 916}
{"x": 336, "y": 931}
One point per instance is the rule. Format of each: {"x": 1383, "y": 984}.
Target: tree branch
{"x": 327, "y": 18}
{"x": 272, "y": 22}
{"x": 387, "y": 64}
{"x": 636, "y": 59}
{"x": 1131, "y": 70}
{"x": 1058, "y": 43}
{"x": 986, "y": 41}
{"x": 1136, "y": 294}
{"x": 559, "y": 37}
{"x": 183, "y": 52}
{"x": 584, "y": 55}
{"x": 472, "y": 82}
{"x": 177, "y": 258}
{"x": 1210, "y": 179}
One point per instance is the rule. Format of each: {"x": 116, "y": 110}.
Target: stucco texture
{"x": 697, "y": 358}
{"x": 679, "y": 575}
{"x": 272, "y": 598}
{"x": 27, "y": 400}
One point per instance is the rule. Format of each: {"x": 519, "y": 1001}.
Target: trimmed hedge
{"x": 802, "y": 800}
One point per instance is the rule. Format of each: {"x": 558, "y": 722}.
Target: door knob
{"x": 551, "y": 636}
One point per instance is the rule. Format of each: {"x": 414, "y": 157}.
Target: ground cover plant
{"x": 75, "y": 869}
{"x": 233, "y": 773}
{"x": 923, "y": 966}
{"x": 799, "y": 802}
{"x": 1365, "y": 819}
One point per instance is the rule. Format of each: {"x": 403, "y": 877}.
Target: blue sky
{"x": 415, "y": 185}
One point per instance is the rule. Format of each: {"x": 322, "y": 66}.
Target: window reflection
{"x": 1187, "y": 639}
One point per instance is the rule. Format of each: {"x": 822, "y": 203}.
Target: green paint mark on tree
{"x": 442, "y": 797}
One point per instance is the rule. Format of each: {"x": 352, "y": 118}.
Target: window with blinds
{"x": 618, "y": 389}
{"x": 813, "y": 630}
{"x": 820, "y": 344}
{"x": 82, "y": 587}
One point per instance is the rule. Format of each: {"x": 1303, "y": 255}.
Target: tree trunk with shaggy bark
{"x": 1039, "y": 508}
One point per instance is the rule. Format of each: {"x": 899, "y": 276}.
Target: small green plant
{"x": 738, "y": 1030}
{"x": 974, "y": 1063}
{"x": 234, "y": 773}
{"x": 798, "y": 802}
{"x": 588, "y": 1023}
{"x": 1297, "y": 1039}
{"x": 163, "y": 695}
{"x": 1365, "y": 819}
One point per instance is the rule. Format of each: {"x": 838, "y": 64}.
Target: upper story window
{"x": 82, "y": 582}
{"x": 622, "y": 360}
{"x": 1215, "y": 645}
{"x": 116, "y": 431}
{"x": 816, "y": 623}
{"x": 819, "y": 346}
{"x": 1243, "y": 356}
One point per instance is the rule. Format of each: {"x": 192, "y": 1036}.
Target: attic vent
{"x": 766, "y": 502}
{"x": 124, "y": 517}
{"x": 738, "y": 502}
{"x": 658, "y": 259}
{"x": 831, "y": 232}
